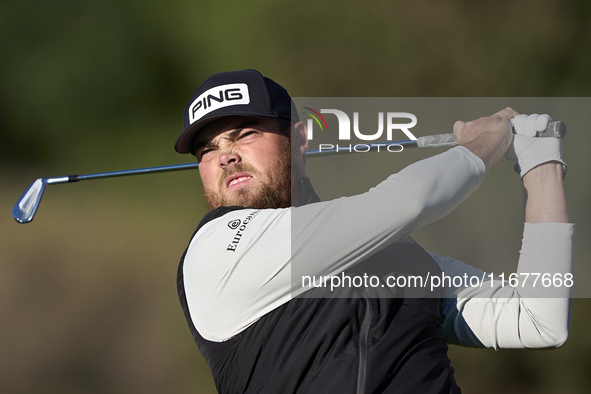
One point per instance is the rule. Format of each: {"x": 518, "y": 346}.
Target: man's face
{"x": 245, "y": 161}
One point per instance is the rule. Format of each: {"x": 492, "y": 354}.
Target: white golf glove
{"x": 529, "y": 151}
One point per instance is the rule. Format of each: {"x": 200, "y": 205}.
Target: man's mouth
{"x": 237, "y": 180}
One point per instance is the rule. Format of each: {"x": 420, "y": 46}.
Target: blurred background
{"x": 88, "y": 299}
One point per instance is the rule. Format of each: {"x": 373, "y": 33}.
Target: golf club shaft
{"x": 555, "y": 129}
{"x": 25, "y": 208}
{"x": 316, "y": 152}
{"x": 149, "y": 170}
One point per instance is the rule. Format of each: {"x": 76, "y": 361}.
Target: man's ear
{"x": 299, "y": 138}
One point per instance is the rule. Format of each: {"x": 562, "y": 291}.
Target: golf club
{"x": 25, "y": 208}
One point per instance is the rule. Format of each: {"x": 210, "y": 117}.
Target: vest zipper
{"x": 363, "y": 347}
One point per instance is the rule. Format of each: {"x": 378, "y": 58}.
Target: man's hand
{"x": 529, "y": 151}
{"x": 488, "y": 137}
{"x": 541, "y": 166}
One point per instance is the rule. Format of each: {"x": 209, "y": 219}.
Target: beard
{"x": 273, "y": 189}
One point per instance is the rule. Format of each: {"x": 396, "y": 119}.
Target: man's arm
{"x": 535, "y": 313}
{"x": 531, "y": 314}
{"x": 544, "y": 196}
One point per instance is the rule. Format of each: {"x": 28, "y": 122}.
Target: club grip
{"x": 555, "y": 129}
{"x": 437, "y": 141}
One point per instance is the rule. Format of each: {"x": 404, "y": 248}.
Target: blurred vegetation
{"x": 87, "y": 291}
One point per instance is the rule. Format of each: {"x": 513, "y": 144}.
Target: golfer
{"x": 258, "y": 281}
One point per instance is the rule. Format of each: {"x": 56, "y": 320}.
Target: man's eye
{"x": 247, "y": 133}
{"x": 204, "y": 153}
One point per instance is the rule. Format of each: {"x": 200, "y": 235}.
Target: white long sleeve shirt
{"x": 249, "y": 262}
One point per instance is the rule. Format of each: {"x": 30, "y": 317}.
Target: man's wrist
{"x": 544, "y": 173}
{"x": 489, "y": 147}
{"x": 545, "y": 199}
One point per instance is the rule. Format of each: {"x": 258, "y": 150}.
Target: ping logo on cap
{"x": 218, "y": 97}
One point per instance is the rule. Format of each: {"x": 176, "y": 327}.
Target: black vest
{"x": 373, "y": 341}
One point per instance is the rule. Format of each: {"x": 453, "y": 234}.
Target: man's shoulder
{"x": 238, "y": 218}
{"x": 217, "y": 213}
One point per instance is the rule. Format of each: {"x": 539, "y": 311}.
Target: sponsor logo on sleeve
{"x": 234, "y": 224}
{"x": 241, "y": 227}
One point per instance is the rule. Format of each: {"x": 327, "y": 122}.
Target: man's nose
{"x": 228, "y": 158}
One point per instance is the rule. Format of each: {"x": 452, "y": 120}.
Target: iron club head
{"x": 26, "y": 206}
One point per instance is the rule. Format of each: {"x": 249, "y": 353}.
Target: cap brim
{"x": 184, "y": 143}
